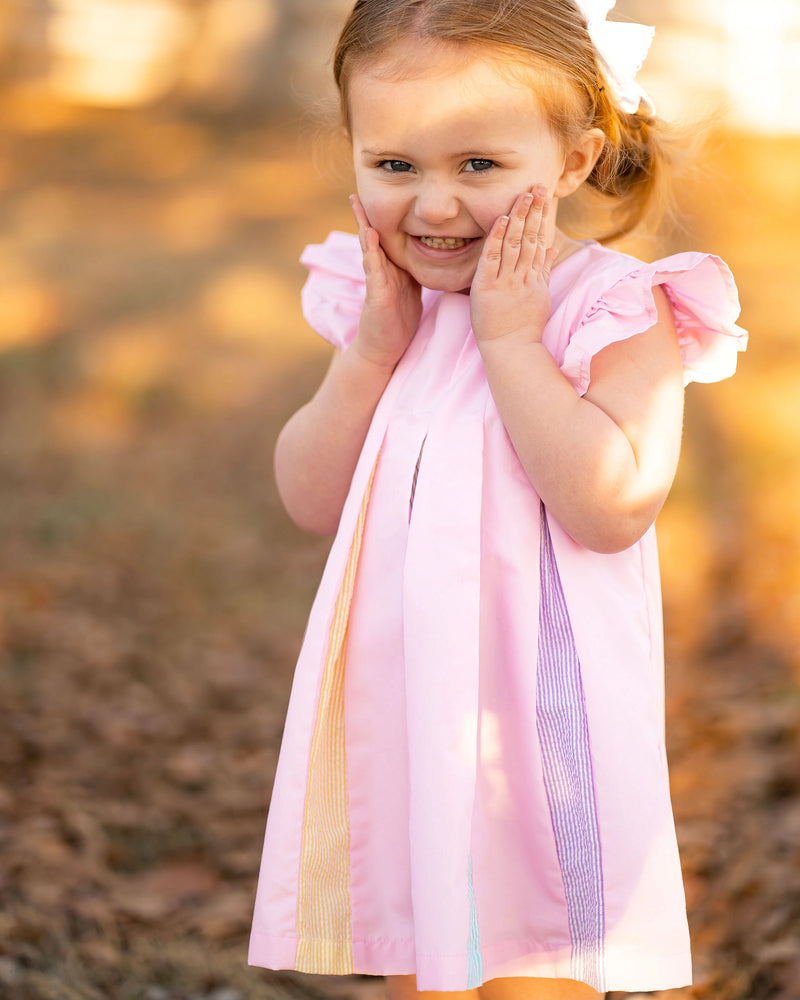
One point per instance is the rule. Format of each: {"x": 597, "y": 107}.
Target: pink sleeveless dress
{"x": 473, "y": 781}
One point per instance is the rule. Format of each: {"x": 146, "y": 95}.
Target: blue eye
{"x": 395, "y": 166}
{"x": 478, "y": 165}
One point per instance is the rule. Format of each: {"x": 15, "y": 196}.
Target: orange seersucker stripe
{"x": 323, "y": 913}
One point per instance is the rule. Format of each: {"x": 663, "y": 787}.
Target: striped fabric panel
{"x": 323, "y": 913}
{"x": 475, "y": 961}
{"x": 563, "y": 732}
{"x": 415, "y": 478}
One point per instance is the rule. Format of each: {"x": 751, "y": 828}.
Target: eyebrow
{"x": 380, "y": 154}
{"x": 469, "y": 154}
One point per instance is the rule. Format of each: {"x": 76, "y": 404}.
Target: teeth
{"x": 444, "y": 243}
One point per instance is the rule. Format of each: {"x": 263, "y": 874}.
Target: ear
{"x": 579, "y": 162}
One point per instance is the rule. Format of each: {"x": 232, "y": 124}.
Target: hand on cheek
{"x": 393, "y": 303}
{"x": 510, "y": 295}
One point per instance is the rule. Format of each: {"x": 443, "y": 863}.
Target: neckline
{"x": 579, "y": 247}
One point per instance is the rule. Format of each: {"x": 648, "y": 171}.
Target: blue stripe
{"x": 563, "y": 732}
{"x": 475, "y": 966}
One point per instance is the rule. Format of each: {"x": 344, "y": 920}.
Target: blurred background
{"x": 160, "y": 172}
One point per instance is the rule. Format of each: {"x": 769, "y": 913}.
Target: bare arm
{"x": 602, "y": 463}
{"x": 318, "y": 449}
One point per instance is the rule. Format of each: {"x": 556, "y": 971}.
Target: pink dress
{"x": 473, "y": 780}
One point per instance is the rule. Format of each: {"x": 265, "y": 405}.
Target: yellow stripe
{"x": 323, "y": 913}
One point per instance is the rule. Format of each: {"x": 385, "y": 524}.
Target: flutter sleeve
{"x": 705, "y": 305}
{"x": 333, "y": 295}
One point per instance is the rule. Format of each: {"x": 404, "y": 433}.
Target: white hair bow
{"x": 623, "y": 47}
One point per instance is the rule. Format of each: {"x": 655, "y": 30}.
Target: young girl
{"x": 472, "y": 793}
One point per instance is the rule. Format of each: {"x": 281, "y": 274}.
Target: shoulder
{"x": 339, "y": 254}
{"x": 611, "y": 296}
{"x": 333, "y": 295}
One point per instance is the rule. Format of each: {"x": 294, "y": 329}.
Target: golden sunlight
{"x": 116, "y": 53}
{"x": 763, "y": 63}
{"x": 731, "y": 60}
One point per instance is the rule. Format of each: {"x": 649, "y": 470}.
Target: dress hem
{"x": 627, "y": 971}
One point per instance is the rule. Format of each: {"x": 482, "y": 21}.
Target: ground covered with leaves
{"x": 153, "y": 594}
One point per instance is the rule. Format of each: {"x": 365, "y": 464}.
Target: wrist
{"x": 375, "y": 354}
{"x": 513, "y": 348}
{"x": 366, "y": 367}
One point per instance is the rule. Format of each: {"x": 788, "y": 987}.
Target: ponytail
{"x": 634, "y": 170}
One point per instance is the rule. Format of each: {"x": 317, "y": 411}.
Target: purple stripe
{"x": 567, "y": 764}
{"x": 414, "y": 479}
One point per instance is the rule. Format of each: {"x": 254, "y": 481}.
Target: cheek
{"x": 486, "y": 210}
{"x": 382, "y": 210}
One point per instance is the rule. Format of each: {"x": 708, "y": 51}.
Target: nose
{"x": 436, "y": 202}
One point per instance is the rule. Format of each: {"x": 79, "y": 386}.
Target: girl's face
{"x": 443, "y": 143}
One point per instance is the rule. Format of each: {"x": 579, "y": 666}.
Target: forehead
{"x": 424, "y": 84}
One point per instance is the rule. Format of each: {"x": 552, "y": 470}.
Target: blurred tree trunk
{"x": 23, "y": 38}
{"x": 257, "y": 55}
{"x": 243, "y": 56}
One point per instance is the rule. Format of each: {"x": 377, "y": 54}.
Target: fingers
{"x": 551, "y": 256}
{"x": 368, "y": 238}
{"x": 361, "y": 220}
{"x": 492, "y": 256}
{"x": 516, "y": 251}
{"x": 525, "y": 244}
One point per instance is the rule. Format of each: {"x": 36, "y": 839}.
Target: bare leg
{"x": 529, "y": 988}
{"x": 405, "y": 988}
{"x": 516, "y": 988}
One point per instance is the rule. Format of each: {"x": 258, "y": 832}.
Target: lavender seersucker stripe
{"x": 567, "y": 764}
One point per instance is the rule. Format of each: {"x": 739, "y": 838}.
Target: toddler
{"x": 472, "y": 794}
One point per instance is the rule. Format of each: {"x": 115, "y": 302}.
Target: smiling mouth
{"x": 445, "y": 242}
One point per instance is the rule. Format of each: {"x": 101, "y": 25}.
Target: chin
{"x": 446, "y": 283}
